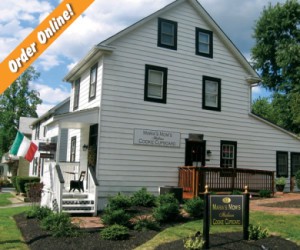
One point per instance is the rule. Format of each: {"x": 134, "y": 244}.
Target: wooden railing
{"x": 194, "y": 179}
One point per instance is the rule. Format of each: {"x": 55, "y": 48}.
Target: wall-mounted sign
{"x": 156, "y": 138}
{"x": 226, "y": 210}
{"x": 47, "y": 146}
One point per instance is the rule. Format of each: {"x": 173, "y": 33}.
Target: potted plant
{"x": 280, "y": 184}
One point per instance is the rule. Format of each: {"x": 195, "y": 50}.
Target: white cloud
{"x": 43, "y": 108}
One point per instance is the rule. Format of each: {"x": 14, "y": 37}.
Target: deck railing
{"x": 194, "y": 179}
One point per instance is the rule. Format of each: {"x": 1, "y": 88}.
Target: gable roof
{"x": 104, "y": 46}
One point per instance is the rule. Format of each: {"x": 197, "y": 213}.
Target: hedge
{"x": 21, "y": 181}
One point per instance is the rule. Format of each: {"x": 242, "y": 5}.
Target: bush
{"x": 236, "y": 192}
{"x": 119, "y": 216}
{"x": 34, "y": 191}
{"x": 265, "y": 193}
{"x": 21, "y": 181}
{"x": 115, "y": 232}
{"x": 119, "y": 201}
{"x": 195, "y": 207}
{"x": 59, "y": 224}
{"x": 4, "y": 182}
{"x": 167, "y": 208}
{"x": 143, "y": 224}
{"x": 194, "y": 243}
{"x": 39, "y": 212}
{"x": 257, "y": 232}
{"x": 297, "y": 177}
{"x": 14, "y": 182}
{"x": 143, "y": 198}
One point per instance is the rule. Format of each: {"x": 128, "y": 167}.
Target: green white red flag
{"x": 23, "y": 147}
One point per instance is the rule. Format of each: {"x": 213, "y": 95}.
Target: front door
{"x": 195, "y": 153}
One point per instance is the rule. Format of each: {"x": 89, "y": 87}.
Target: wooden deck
{"x": 194, "y": 179}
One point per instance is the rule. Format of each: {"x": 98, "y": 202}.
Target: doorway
{"x": 195, "y": 153}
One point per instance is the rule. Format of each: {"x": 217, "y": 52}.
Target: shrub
{"x": 143, "y": 224}
{"x": 166, "y": 198}
{"x": 297, "y": 177}
{"x": 39, "y": 212}
{"x": 21, "y": 181}
{"x": 119, "y": 201}
{"x": 4, "y": 182}
{"x": 115, "y": 232}
{"x": 265, "y": 193}
{"x": 167, "y": 208}
{"x": 14, "y": 182}
{"x": 34, "y": 191}
{"x": 143, "y": 198}
{"x": 194, "y": 207}
{"x": 59, "y": 224}
{"x": 257, "y": 232}
{"x": 194, "y": 243}
{"x": 236, "y": 192}
{"x": 118, "y": 216}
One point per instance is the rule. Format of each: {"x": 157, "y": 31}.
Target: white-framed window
{"x": 228, "y": 154}
{"x": 155, "y": 84}
{"x": 76, "y": 94}
{"x": 167, "y": 34}
{"x": 204, "y": 43}
{"x": 211, "y": 97}
{"x": 93, "y": 82}
{"x": 73, "y": 149}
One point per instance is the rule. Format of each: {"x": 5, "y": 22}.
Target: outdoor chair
{"x": 78, "y": 184}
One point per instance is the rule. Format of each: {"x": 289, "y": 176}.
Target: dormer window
{"x": 204, "y": 43}
{"x": 93, "y": 82}
{"x": 167, "y": 34}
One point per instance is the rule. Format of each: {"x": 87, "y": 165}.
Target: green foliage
{"x": 14, "y": 182}
{"x": 297, "y": 177}
{"x": 265, "y": 193}
{"x": 4, "y": 182}
{"x": 34, "y": 191}
{"x": 167, "y": 208}
{"x": 195, "y": 207}
{"x": 59, "y": 224}
{"x": 39, "y": 212}
{"x": 194, "y": 243}
{"x": 143, "y": 198}
{"x": 143, "y": 224}
{"x": 280, "y": 181}
{"x": 119, "y": 201}
{"x": 236, "y": 192}
{"x": 16, "y": 101}
{"x": 115, "y": 232}
{"x": 256, "y": 232}
{"x": 21, "y": 181}
{"x": 119, "y": 216}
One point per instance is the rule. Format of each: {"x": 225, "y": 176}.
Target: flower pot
{"x": 279, "y": 187}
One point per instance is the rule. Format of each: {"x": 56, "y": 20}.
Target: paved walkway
{"x": 258, "y": 205}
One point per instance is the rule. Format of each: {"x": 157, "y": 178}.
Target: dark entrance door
{"x": 93, "y": 142}
{"x": 195, "y": 153}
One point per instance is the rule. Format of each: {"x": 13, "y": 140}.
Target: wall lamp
{"x": 208, "y": 152}
{"x": 85, "y": 147}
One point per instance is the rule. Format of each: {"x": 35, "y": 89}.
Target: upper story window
{"x": 211, "y": 93}
{"x": 155, "y": 84}
{"x": 93, "y": 82}
{"x": 73, "y": 149}
{"x": 37, "y": 131}
{"x": 295, "y": 163}
{"x": 76, "y": 93}
{"x": 204, "y": 43}
{"x": 167, "y": 34}
{"x": 281, "y": 164}
{"x": 228, "y": 154}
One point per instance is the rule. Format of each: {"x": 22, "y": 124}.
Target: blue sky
{"x": 101, "y": 20}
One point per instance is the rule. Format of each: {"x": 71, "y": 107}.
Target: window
{"x": 204, "y": 43}
{"x": 228, "y": 154}
{"x": 295, "y": 163}
{"x": 76, "y": 93}
{"x": 93, "y": 82}
{"x": 167, "y": 34}
{"x": 37, "y": 131}
{"x": 73, "y": 149}
{"x": 155, "y": 84}
{"x": 211, "y": 93}
{"x": 281, "y": 164}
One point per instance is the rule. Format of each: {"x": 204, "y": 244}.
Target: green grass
{"x": 286, "y": 226}
{"x": 4, "y": 199}
{"x": 10, "y": 236}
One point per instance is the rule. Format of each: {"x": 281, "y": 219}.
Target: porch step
{"x": 77, "y": 203}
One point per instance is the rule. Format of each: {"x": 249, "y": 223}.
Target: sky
{"x": 101, "y": 20}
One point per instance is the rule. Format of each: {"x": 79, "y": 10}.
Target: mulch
{"x": 37, "y": 238}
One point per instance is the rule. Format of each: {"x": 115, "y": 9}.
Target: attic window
{"x": 167, "y": 34}
{"x": 204, "y": 43}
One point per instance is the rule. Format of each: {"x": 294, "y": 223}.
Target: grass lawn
{"x": 4, "y": 199}
{"x": 286, "y": 226}
{"x": 10, "y": 236}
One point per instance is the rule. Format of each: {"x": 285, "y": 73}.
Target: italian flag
{"x": 22, "y": 146}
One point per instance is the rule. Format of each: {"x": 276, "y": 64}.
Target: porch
{"x": 194, "y": 179}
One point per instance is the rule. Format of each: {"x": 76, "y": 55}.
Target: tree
{"x": 18, "y": 100}
{"x": 276, "y": 55}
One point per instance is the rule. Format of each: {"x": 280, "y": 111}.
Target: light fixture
{"x": 85, "y": 147}
{"x": 208, "y": 152}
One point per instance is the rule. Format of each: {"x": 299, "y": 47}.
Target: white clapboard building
{"x": 171, "y": 90}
